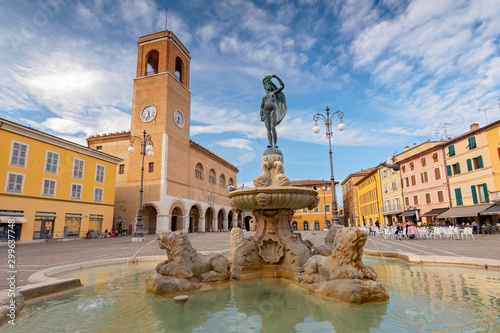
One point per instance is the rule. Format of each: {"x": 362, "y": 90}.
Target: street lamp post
{"x": 329, "y": 133}
{"x": 146, "y": 146}
{"x": 324, "y": 204}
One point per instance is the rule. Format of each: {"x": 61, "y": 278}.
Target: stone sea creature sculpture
{"x": 272, "y": 172}
{"x": 185, "y": 269}
{"x": 343, "y": 275}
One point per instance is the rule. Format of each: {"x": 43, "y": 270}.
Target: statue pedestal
{"x": 274, "y": 252}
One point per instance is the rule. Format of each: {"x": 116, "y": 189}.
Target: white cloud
{"x": 237, "y": 143}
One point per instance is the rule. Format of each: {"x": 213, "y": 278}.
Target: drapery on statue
{"x": 273, "y": 107}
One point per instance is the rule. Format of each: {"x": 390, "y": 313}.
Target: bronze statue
{"x": 273, "y": 107}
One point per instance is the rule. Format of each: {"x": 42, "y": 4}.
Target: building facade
{"x": 390, "y": 183}
{"x": 320, "y": 217}
{"x": 51, "y": 187}
{"x": 370, "y": 199}
{"x": 350, "y": 197}
{"x": 185, "y": 184}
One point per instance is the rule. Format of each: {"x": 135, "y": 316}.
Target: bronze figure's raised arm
{"x": 273, "y": 107}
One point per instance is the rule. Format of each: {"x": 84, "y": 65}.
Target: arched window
{"x": 316, "y": 225}
{"x": 178, "y": 69}
{"x": 306, "y": 225}
{"x": 222, "y": 181}
{"x": 211, "y": 176}
{"x": 231, "y": 182}
{"x": 152, "y": 64}
{"x": 198, "y": 171}
{"x": 294, "y": 225}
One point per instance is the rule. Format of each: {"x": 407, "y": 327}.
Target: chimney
{"x": 414, "y": 144}
{"x": 474, "y": 126}
{"x": 428, "y": 140}
{"x": 406, "y": 148}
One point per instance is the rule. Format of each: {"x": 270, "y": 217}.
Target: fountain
{"x": 275, "y": 251}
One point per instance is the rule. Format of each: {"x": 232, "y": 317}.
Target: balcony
{"x": 495, "y": 197}
{"x": 391, "y": 209}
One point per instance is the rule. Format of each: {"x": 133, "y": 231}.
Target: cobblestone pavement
{"x": 34, "y": 256}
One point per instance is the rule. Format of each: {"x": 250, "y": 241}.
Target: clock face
{"x": 148, "y": 113}
{"x": 179, "y": 119}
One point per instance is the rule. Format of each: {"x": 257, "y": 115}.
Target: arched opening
{"x": 306, "y": 225}
{"x": 149, "y": 220}
{"x": 239, "y": 222}
{"x": 152, "y": 63}
{"x": 209, "y": 216}
{"x": 295, "y": 226}
{"x": 231, "y": 182}
{"x": 176, "y": 219}
{"x": 222, "y": 181}
{"x": 194, "y": 219}
{"x": 230, "y": 220}
{"x": 220, "y": 220}
{"x": 198, "y": 171}
{"x": 211, "y": 176}
{"x": 247, "y": 223}
{"x": 316, "y": 225}
{"x": 178, "y": 69}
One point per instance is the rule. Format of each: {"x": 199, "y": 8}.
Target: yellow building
{"x": 185, "y": 184}
{"x": 51, "y": 187}
{"x": 370, "y": 199}
{"x": 350, "y": 197}
{"x": 320, "y": 217}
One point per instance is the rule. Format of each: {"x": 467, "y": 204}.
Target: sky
{"x": 402, "y": 72}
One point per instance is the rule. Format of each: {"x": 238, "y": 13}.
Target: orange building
{"x": 185, "y": 184}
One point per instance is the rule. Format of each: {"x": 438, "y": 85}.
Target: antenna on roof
{"x": 166, "y": 16}
{"x": 436, "y": 132}
{"x": 445, "y": 133}
{"x": 485, "y": 113}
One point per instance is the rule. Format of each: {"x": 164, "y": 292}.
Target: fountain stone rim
{"x": 273, "y": 197}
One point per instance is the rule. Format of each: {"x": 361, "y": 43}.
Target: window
{"x": 49, "y": 188}
{"x": 472, "y": 143}
{"x": 440, "y": 196}
{"x": 15, "y": 183}
{"x": 51, "y": 162}
{"x": 403, "y": 168}
{"x": 211, "y": 177}
{"x": 386, "y": 188}
{"x": 435, "y": 157}
{"x": 151, "y": 167}
{"x": 314, "y": 187}
{"x": 475, "y": 163}
{"x": 384, "y": 174}
{"x": 306, "y": 225}
{"x": 428, "y": 198}
{"x": 407, "y": 201}
{"x": 99, "y": 173}
{"x": 197, "y": 171}
{"x": 316, "y": 225}
{"x": 222, "y": 181}
{"x": 425, "y": 177}
{"x": 316, "y": 209}
{"x": 72, "y": 225}
{"x": 396, "y": 203}
{"x": 451, "y": 150}
{"x": 121, "y": 169}
{"x": 456, "y": 168}
{"x": 98, "y": 194}
{"x": 480, "y": 193}
{"x": 437, "y": 173}
{"x": 304, "y": 210}
{"x": 76, "y": 191}
{"x": 413, "y": 180}
{"x": 458, "y": 197}
{"x": 18, "y": 154}
{"x": 415, "y": 200}
{"x": 423, "y": 161}
{"x": 78, "y": 168}
{"x": 327, "y": 208}
{"x": 412, "y": 166}
{"x": 394, "y": 185}
{"x": 98, "y": 148}
{"x": 405, "y": 182}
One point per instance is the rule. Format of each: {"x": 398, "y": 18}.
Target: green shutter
{"x": 448, "y": 170}
{"x": 472, "y": 142}
{"x": 486, "y": 196}
{"x": 458, "y": 168}
{"x": 474, "y": 194}
{"x": 480, "y": 161}
{"x": 451, "y": 150}
{"x": 469, "y": 165}
{"x": 458, "y": 197}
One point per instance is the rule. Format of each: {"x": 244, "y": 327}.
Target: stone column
{"x": 201, "y": 224}
{"x": 186, "y": 224}
{"x": 162, "y": 223}
{"x": 225, "y": 223}
{"x": 215, "y": 226}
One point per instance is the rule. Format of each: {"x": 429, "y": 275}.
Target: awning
{"x": 464, "y": 211}
{"x": 408, "y": 213}
{"x": 493, "y": 210}
{"x": 435, "y": 212}
{"x": 17, "y": 219}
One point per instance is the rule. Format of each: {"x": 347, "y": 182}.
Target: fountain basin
{"x": 273, "y": 197}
